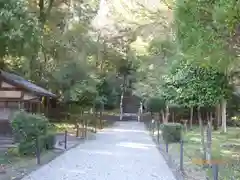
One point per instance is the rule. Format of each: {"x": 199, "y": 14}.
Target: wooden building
{"x": 18, "y": 93}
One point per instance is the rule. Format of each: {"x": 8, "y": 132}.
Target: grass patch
{"x": 62, "y": 127}
{"x": 115, "y": 112}
{"x": 225, "y": 150}
{"x": 69, "y": 124}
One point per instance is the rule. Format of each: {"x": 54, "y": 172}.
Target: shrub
{"x": 27, "y": 127}
{"x": 171, "y": 132}
{"x": 28, "y": 148}
{"x": 49, "y": 141}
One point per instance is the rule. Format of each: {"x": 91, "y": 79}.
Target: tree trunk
{"x": 44, "y": 13}
{"x": 95, "y": 120}
{"x": 209, "y": 138}
{"x": 224, "y": 115}
{"x": 100, "y": 59}
{"x": 163, "y": 116}
{"x": 201, "y": 126}
{"x": 167, "y": 115}
{"x": 121, "y": 107}
{"x": 122, "y": 95}
{"x": 191, "y": 118}
{"x": 217, "y": 119}
{"x": 140, "y": 112}
{"x": 153, "y": 123}
{"x": 208, "y": 116}
{"x": 101, "y": 115}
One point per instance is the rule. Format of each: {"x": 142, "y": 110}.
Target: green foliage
{"x": 198, "y": 86}
{"x": 155, "y": 104}
{"x": 106, "y": 94}
{"x": 76, "y": 84}
{"x": 18, "y": 31}
{"x": 49, "y": 141}
{"x": 99, "y": 103}
{"x": 171, "y": 132}
{"x": 30, "y": 127}
{"x": 162, "y": 48}
{"x": 126, "y": 67}
{"x": 27, "y": 127}
{"x": 45, "y": 142}
{"x": 204, "y": 30}
{"x": 27, "y": 148}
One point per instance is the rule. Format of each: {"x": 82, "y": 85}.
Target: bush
{"x": 171, "y": 132}
{"x": 27, "y": 127}
{"x": 28, "y": 148}
{"x": 49, "y": 141}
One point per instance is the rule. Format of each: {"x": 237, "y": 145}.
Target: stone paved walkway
{"x": 123, "y": 152}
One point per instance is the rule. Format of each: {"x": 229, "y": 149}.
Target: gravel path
{"x": 123, "y": 152}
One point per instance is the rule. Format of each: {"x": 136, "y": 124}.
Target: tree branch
{"x": 41, "y": 11}
{"x": 50, "y": 5}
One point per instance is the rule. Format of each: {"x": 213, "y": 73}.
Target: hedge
{"x": 171, "y": 132}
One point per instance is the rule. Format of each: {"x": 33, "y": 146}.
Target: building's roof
{"x": 23, "y": 83}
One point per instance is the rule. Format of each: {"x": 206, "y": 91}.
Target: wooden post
{"x": 65, "y": 140}
{"x": 37, "y": 151}
{"x": 140, "y": 112}
{"x": 39, "y": 107}
{"x": 215, "y": 171}
{"x": 20, "y": 105}
{"x": 47, "y": 102}
{"x": 181, "y": 155}
{"x": 191, "y": 118}
{"x": 77, "y": 126}
{"x": 86, "y": 128}
{"x": 158, "y": 128}
{"x": 95, "y": 120}
{"x": 166, "y": 147}
{"x": 30, "y": 107}
{"x": 101, "y": 115}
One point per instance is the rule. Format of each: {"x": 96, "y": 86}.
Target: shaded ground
{"x": 124, "y": 152}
